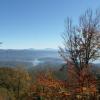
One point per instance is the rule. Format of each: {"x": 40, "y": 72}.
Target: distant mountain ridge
{"x": 27, "y": 54}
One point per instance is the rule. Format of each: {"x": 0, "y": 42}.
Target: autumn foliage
{"x": 48, "y": 87}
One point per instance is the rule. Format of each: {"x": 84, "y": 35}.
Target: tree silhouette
{"x": 82, "y": 42}
{"x": 81, "y": 47}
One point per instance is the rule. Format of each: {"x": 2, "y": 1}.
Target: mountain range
{"x": 29, "y": 57}
{"x": 27, "y": 54}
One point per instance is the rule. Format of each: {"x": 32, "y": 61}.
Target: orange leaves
{"x": 81, "y": 81}
{"x": 47, "y": 86}
{"x": 48, "y": 81}
{"x": 77, "y": 83}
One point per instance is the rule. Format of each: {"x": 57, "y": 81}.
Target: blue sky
{"x": 38, "y": 23}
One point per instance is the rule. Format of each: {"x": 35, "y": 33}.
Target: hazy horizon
{"x": 29, "y": 48}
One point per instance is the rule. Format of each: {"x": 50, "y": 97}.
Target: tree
{"x": 16, "y": 81}
{"x": 47, "y": 87}
{"x": 82, "y": 44}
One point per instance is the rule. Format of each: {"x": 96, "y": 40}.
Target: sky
{"x": 38, "y": 24}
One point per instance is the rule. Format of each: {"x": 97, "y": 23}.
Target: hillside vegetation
{"x": 48, "y": 84}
